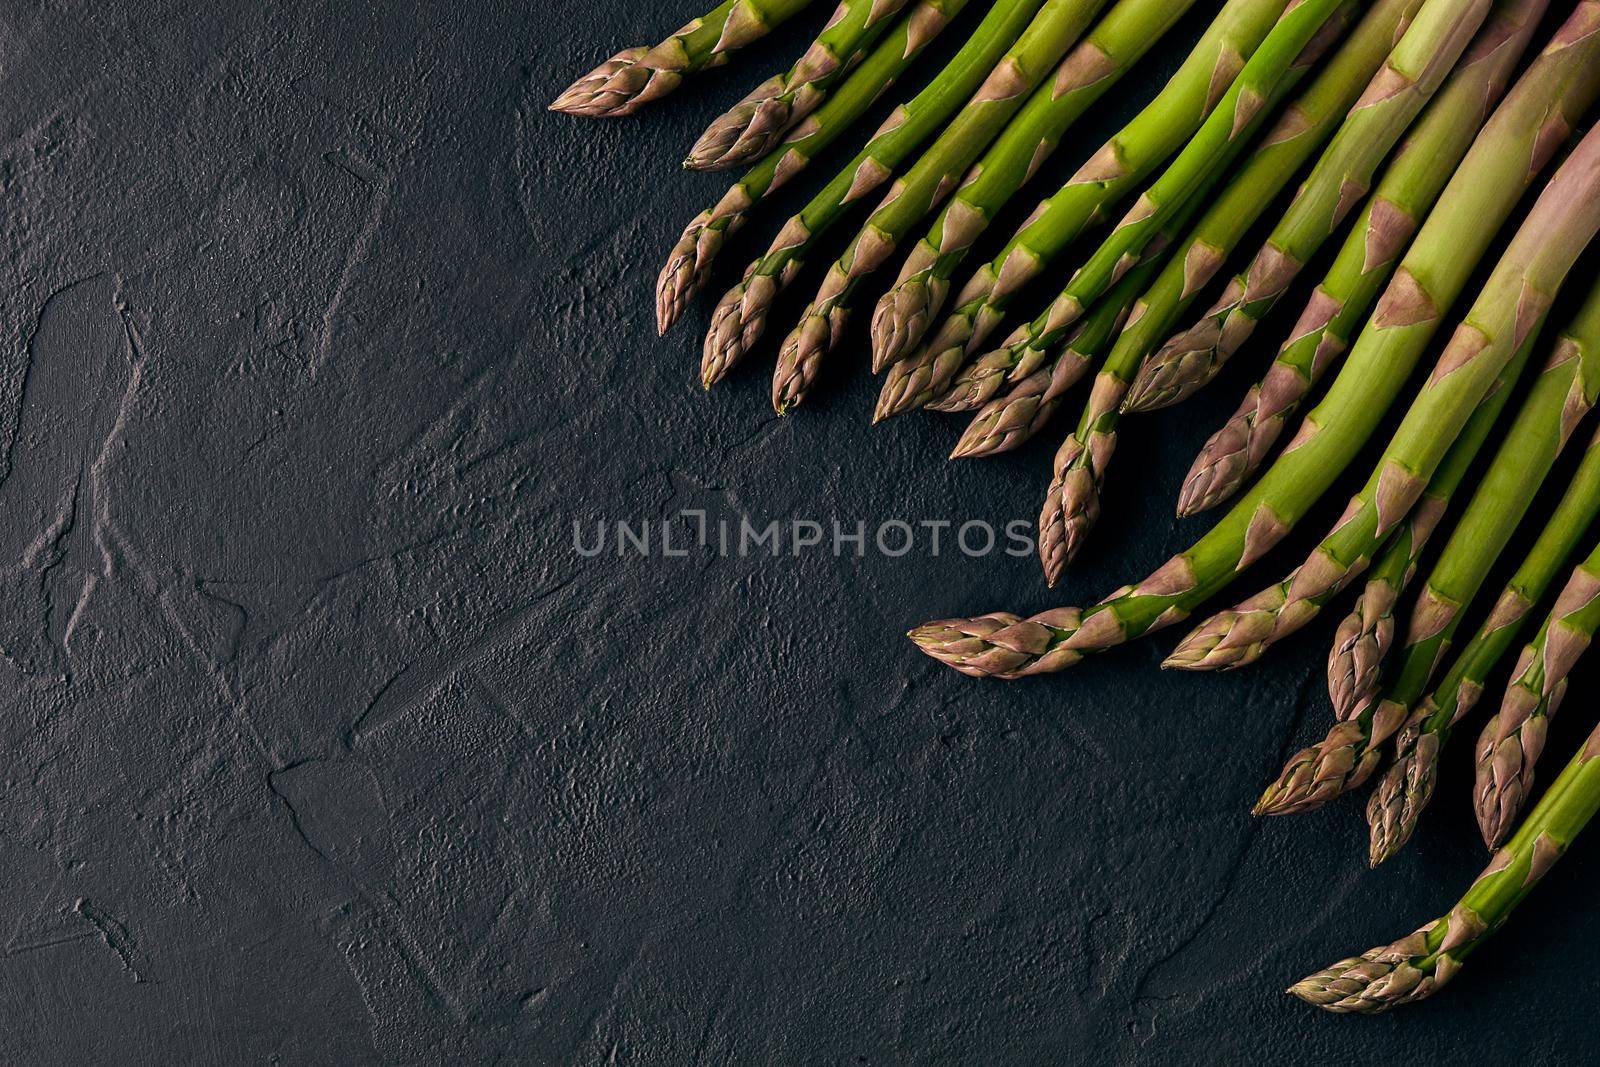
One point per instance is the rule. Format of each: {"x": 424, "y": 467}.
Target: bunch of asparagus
{"x": 1432, "y": 147}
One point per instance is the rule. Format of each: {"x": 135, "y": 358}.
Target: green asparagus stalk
{"x": 1513, "y": 741}
{"x": 1484, "y": 343}
{"x": 1303, "y": 128}
{"x": 740, "y": 316}
{"x": 1407, "y": 787}
{"x": 1416, "y": 966}
{"x": 1510, "y": 152}
{"x": 689, "y": 265}
{"x": 1414, "y": 71}
{"x": 1364, "y": 638}
{"x": 635, "y": 76}
{"x": 1531, "y": 446}
{"x": 753, "y": 126}
{"x": 1350, "y": 751}
{"x": 921, "y": 189}
{"x": 1307, "y": 781}
{"x": 1089, "y": 341}
{"x": 1113, "y": 172}
{"x": 1365, "y": 635}
{"x": 1339, "y": 306}
{"x": 1115, "y": 44}
{"x": 1225, "y": 131}
{"x": 1072, "y": 500}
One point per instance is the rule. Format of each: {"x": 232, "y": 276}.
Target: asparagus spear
{"x": 1292, "y": 42}
{"x": 1124, "y": 161}
{"x": 1514, "y": 739}
{"x": 741, "y": 314}
{"x": 1349, "y": 754}
{"x": 1115, "y": 44}
{"x": 1414, "y": 967}
{"x": 1072, "y": 501}
{"x": 689, "y": 264}
{"x": 1056, "y": 28}
{"x": 1415, "y": 69}
{"x": 1339, "y": 306}
{"x": 1504, "y": 317}
{"x": 1535, "y": 439}
{"x": 1407, "y": 787}
{"x": 751, "y": 128}
{"x": 1301, "y": 130}
{"x": 635, "y": 76}
{"x": 1366, "y": 634}
{"x": 1508, "y": 155}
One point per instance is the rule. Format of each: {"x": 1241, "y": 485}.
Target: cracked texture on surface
{"x": 321, "y": 744}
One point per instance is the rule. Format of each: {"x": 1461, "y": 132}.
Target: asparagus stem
{"x": 1365, "y": 635}
{"x": 740, "y": 316}
{"x": 1348, "y": 756}
{"x": 1072, "y": 501}
{"x": 635, "y": 76}
{"x": 1114, "y": 171}
{"x": 1511, "y": 744}
{"x": 1292, "y": 45}
{"x": 1116, "y": 43}
{"x": 751, "y": 128}
{"x": 1407, "y": 191}
{"x": 689, "y": 264}
{"x": 1510, "y": 307}
{"x": 1407, "y": 787}
{"x": 922, "y": 188}
{"x": 1303, "y": 127}
{"x": 979, "y": 382}
{"x": 1508, "y": 155}
{"x": 1416, "y": 966}
{"x": 1505, "y": 316}
{"x": 1414, "y": 70}
{"x": 1364, "y": 638}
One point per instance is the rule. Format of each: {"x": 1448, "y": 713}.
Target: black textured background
{"x": 321, "y": 745}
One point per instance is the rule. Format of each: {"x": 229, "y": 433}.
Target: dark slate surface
{"x": 321, "y": 744}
